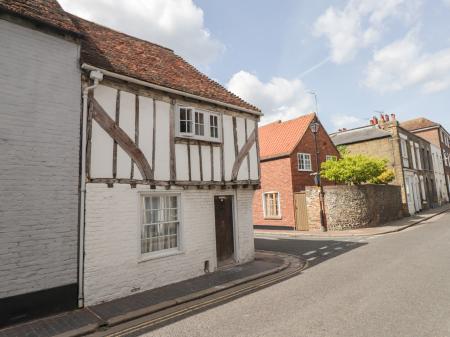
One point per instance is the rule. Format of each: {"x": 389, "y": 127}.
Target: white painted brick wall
{"x": 112, "y": 267}
{"x": 39, "y": 150}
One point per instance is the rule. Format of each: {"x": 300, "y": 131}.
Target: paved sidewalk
{"x": 87, "y": 320}
{"x": 394, "y": 226}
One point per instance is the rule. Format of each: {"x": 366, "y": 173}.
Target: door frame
{"x": 235, "y": 232}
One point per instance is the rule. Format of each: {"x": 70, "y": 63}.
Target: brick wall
{"x": 275, "y": 177}
{"x": 357, "y": 206}
{"x": 301, "y": 179}
{"x": 112, "y": 265}
{"x": 39, "y": 160}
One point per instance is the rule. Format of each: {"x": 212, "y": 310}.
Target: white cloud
{"x": 280, "y": 98}
{"x": 360, "y": 24}
{"x": 347, "y": 121}
{"x": 177, "y": 24}
{"x": 403, "y": 63}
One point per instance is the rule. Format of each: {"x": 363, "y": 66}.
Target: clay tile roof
{"x": 108, "y": 49}
{"x": 48, "y": 12}
{"x": 280, "y": 138}
{"x": 418, "y": 123}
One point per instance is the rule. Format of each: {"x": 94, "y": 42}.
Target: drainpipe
{"x": 97, "y": 76}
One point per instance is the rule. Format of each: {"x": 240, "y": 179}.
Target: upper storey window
{"x": 198, "y": 124}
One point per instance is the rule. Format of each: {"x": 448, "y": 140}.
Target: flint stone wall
{"x": 351, "y": 207}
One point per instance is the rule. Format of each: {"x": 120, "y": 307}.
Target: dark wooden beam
{"x": 242, "y": 154}
{"x": 154, "y": 135}
{"x": 173, "y": 170}
{"x": 122, "y": 139}
{"x": 117, "y": 120}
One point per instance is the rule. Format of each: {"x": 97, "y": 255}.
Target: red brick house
{"x": 288, "y": 163}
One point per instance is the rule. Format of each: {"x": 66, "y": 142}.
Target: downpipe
{"x": 97, "y": 76}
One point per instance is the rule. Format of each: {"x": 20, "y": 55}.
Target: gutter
{"x": 97, "y": 77}
{"x": 86, "y": 66}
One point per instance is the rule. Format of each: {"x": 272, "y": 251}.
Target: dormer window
{"x": 198, "y": 124}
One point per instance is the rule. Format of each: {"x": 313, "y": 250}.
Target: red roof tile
{"x": 281, "y": 138}
{"x": 418, "y": 123}
{"x": 48, "y": 12}
{"x": 126, "y": 55}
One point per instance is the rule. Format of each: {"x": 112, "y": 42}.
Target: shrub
{"x": 357, "y": 169}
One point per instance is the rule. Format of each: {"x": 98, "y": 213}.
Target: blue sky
{"x": 358, "y": 56}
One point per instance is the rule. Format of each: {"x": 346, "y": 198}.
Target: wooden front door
{"x": 301, "y": 215}
{"x": 223, "y": 209}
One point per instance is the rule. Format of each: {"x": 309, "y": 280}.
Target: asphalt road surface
{"x": 392, "y": 285}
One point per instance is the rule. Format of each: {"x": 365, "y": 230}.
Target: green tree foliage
{"x": 384, "y": 178}
{"x": 357, "y": 169}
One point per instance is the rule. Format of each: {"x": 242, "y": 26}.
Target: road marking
{"x": 312, "y": 258}
{"x": 337, "y": 248}
{"x": 325, "y": 253}
{"x": 310, "y": 252}
{"x": 324, "y": 247}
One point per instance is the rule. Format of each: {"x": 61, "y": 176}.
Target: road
{"x": 391, "y": 285}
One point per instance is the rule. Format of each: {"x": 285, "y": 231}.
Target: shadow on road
{"x": 314, "y": 251}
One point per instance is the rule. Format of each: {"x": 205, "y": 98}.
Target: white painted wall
{"x": 162, "y": 167}
{"x": 228, "y": 146}
{"x": 127, "y": 123}
{"x": 113, "y": 268}
{"x": 40, "y": 97}
{"x": 438, "y": 168}
{"x": 102, "y": 143}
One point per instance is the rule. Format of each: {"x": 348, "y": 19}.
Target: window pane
{"x": 160, "y": 225}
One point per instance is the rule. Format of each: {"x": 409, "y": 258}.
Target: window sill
{"x": 272, "y": 218}
{"x": 200, "y": 138}
{"x": 159, "y": 255}
{"x": 300, "y": 170}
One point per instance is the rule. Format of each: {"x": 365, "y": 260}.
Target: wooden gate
{"x": 301, "y": 215}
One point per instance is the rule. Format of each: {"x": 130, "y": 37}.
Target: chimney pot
{"x": 386, "y": 117}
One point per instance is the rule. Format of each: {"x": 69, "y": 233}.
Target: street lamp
{"x": 314, "y": 127}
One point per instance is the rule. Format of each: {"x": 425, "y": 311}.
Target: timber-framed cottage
{"x": 170, "y": 168}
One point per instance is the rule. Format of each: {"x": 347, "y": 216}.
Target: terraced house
{"x": 154, "y": 186}
{"x": 438, "y": 136}
{"x": 409, "y": 155}
{"x": 40, "y": 90}
{"x": 171, "y": 168}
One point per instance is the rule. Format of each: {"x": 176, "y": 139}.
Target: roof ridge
{"x": 119, "y": 32}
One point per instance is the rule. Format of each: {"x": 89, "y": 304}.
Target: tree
{"x": 357, "y": 169}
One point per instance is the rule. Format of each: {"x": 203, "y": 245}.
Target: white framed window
{"x": 185, "y": 118}
{"x": 304, "y": 161}
{"x": 198, "y": 124}
{"x": 330, "y": 157}
{"x": 214, "y": 126}
{"x": 413, "y": 156}
{"x": 160, "y": 223}
{"x": 404, "y": 149}
{"x": 419, "y": 160}
{"x": 271, "y": 205}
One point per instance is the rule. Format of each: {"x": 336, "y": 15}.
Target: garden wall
{"x": 356, "y": 206}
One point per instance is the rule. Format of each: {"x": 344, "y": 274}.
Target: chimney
{"x": 382, "y": 118}
{"x": 372, "y": 122}
{"x": 393, "y": 117}
{"x": 344, "y": 129}
{"x": 375, "y": 121}
{"x": 386, "y": 117}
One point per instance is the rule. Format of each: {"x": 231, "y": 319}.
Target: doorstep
{"x": 89, "y": 319}
{"x": 390, "y": 227}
